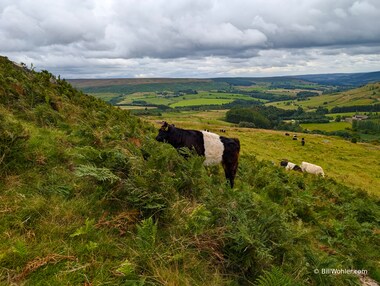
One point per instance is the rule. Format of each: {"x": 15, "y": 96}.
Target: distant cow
{"x": 312, "y": 169}
{"x": 216, "y": 149}
{"x": 287, "y": 134}
{"x": 295, "y": 137}
{"x": 222, "y": 130}
{"x": 290, "y": 166}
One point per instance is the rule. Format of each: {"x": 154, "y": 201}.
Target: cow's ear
{"x": 164, "y": 126}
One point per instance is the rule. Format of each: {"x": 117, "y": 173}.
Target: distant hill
{"x": 174, "y": 84}
{"x": 367, "y": 95}
{"x": 342, "y": 79}
{"x": 81, "y": 83}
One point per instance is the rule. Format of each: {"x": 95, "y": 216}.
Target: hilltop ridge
{"x": 339, "y": 79}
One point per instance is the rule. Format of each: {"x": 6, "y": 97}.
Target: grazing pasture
{"x": 331, "y": 126}
{"x": 356, "y": 165}
{"x": 201, "y": 102}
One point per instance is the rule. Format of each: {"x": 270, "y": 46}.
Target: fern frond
{"x": 275, "y": 277}
{"x": 100, "y": 174}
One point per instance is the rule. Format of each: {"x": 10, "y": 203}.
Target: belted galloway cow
{"x": 216, "y": 149}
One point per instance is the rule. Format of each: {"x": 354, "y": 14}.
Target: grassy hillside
{"x": 366, "y": 95}
{"x": 88, "y": 197}
{"x": 353, "y": 164}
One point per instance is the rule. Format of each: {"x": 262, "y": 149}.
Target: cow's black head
{"x": 164, "y": 132}
{"x": 284, "y": 163}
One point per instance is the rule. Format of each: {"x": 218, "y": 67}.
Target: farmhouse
{"x": 359, "y": 117}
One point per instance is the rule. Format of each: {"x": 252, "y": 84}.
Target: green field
{"x": 172, "y": 100}
{"x": 331, "y": 126}
{"x": 343, "y": 114}
{"x": 201, "y": 102}
{"x": 328, "y": 101}
{"x": 286, "y": 104}
{"x": 212, "y": 119}
{"x": 134, "y": 107}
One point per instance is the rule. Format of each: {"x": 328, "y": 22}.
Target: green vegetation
{"x": 270, "y": 117}
{"x": 88, "y": 197}
{"x": 332, "y": 126}
{"x": 367, "y": 126}
{"x": 106, "y": 96}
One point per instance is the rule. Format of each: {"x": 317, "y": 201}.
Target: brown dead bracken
{"x": 33, "y": 265}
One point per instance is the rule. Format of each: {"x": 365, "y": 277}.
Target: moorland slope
{"x": 89, "y": 198}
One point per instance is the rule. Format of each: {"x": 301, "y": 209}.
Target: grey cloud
{"x": 36, "y": 24}
{"x": 170, "y": 37}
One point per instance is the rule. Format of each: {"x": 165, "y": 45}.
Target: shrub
{"x": 13, "y": 139}
{"x": 247, "y": 124}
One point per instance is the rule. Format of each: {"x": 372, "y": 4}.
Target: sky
{"x": 191, "y": 38}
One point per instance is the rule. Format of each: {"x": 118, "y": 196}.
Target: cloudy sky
{"x": 191, "y": 38}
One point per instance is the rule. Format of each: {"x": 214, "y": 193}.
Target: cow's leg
{"x": 230, "y": 169}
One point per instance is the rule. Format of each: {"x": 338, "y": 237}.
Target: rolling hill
{"x": 343, "y": 79}
{"x": 365, "y": 95}
{"x": 88, "y": 197}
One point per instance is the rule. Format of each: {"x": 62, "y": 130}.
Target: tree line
{"x": 271, "y": 117}
{"x": 355, "y": 108}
